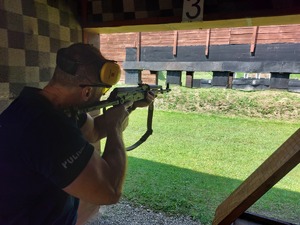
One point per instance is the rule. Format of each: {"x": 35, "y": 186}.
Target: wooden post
{"x": 282, "y": 161}
{"x": 189, "y": 79}
{"x": 230, "y": 80}
{"x": 155, "y": 73}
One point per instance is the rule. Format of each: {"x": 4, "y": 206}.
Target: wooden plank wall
{"x": 113, "y": 45}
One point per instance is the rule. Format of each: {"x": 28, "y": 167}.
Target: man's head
{"x": 85, "y": 72}
{"x": 86, "y": 63}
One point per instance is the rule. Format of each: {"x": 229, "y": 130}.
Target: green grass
{"x": 194, "y": 160}
{"x": 294, "y": 76}
{"x": 269, "y": 104}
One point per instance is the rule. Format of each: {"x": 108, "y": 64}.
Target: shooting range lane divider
{"x": 281, "y": 162}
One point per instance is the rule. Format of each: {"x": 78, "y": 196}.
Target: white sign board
{"x": 192, "y": 10}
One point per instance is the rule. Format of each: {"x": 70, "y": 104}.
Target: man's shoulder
{"x": 30, "y": 108}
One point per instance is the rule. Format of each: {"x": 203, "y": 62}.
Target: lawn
{"x": 193, "y": 161}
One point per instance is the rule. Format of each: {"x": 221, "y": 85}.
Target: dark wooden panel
{"x": 279, "y": 80}
{"x": 174, "y": 77}
{"x": 250, "y": 84}
{"x": 220, "y": 79}
{"x": 236, "y": 58}
{"x": 202, "y": 83}
{"x": 131, "y": 54}
{"x": 294, "y": 85}
{"x": 248, "y": 218}
{"x": 268, "y": 52}
{"x": 132, "y": 76}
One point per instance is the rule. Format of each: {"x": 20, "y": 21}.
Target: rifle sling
{"x": 149, "y": 129}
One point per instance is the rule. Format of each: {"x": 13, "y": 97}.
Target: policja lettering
{"x": 69, "y": 161}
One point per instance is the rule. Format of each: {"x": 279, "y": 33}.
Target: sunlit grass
{"x": 269, "y": 104}
{"x": 193, "y": 161}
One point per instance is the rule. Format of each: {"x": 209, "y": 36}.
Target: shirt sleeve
{"x": 59, "y": 152}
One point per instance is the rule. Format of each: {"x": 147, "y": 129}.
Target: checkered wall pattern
{"x": 118, "y": 10}
{"x": 31, "y": 32}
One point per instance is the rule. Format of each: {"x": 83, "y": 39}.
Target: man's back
{"x": 29, "y": 190}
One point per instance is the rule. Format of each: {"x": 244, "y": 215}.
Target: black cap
{"x": 68, "y": 59}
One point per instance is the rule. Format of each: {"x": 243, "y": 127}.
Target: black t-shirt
{"x": 41, "y": 151}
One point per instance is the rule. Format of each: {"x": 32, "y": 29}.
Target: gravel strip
{"x": 124, "y": 213}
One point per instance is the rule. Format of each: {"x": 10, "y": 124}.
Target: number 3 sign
{"x": 192, "y": 10}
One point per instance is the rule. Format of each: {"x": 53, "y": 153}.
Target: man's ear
{"x": 86, "y": 93}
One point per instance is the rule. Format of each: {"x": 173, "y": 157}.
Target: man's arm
{"x": 94, "y": 129}
{"x": 102, "y": 179}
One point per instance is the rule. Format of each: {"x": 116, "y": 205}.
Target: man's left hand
{"x": 145, "y": 102}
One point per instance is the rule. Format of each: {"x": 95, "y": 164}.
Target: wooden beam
{"x": 175, "y": 42}
{"x": 162, "y": 25}
{"x": 207, "y": 42}
{"x": 282, "y": 161}
{"x": 84, "y": 13}
{"x": 138, "y": 46}
{"x": 253, "y": 40}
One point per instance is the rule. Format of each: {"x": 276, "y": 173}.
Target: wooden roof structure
{"x": 155, "y": 15}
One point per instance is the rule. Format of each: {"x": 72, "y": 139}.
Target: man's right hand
{"x": 102, "y": 179}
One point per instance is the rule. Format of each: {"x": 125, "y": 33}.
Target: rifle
{"x": 121, "y": 95}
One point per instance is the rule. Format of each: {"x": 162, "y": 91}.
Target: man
{"x": 47, "y": 164}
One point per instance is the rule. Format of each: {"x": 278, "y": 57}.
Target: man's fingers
{"x": 128, "y": 104}
{"x": 150, "y": 97}
{"x": 151, "y": 93}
